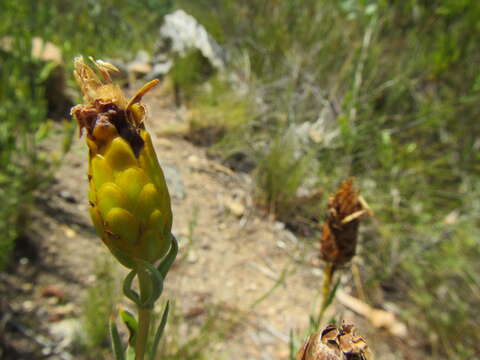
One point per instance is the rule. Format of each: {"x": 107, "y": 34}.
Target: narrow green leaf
{"x": 116, "y": 342}
{"x": 131, "y": 323}
{"x": 159, "y": 333}
{"x": 46, "y": 71}
{"x": 156, "y": 280}
{"x": 331, "y": 296}
{"x": 131, "y": 353}
{"x": 127, "y": 288}
{"x": 43, "y": 131}
{"x": 167, "y": 262}
{"x": 279, "y": 282}
{"x": 291, "y": 345}
{"x": 148, "y": 272}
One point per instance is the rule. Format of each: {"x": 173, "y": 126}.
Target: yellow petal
{"x": 101, "y": 171}
{"x": 148, "y": 201}
{"x": 110, "y": 196}
{"x": 131, "y": 182}
{"x": 138, "y": 112}
{"x": 156, "y": 222}
{"x": 124, "y": 226}
{"x": 97, "y": 220}
{"x": 148, "y": 161}
{"x": 119, "y": 155}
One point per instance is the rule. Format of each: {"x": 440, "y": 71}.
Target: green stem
{"x": 327, "y": 284}
{"x": 142, "y": 336}
{"x": 144, "y": 314}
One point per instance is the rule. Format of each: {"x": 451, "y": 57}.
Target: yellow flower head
{"x": 128, "y": 196}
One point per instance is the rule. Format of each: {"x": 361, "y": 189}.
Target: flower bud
{"x": 340, "y": 230}
{"x": 129, "y": 200}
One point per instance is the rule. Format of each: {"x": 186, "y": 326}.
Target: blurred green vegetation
{"x": 93, "y": 28}
{"x": 213, "y": 326}
{"x": 98, "y": 307}
{"x": 399, "y": 82}
{"x": 393, "y": 86}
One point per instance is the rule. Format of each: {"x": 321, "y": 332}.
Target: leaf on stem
{"x": 131, "y": 353}
{"x": 167, "y": 262}
{"x": 116, "y": 342}
{"x": 131, "y": 324}
{"x": 159, "y": 333}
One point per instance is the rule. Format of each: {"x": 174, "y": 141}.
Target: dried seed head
{"x": 335, "y": 344}
{"x": 340, "y": 230}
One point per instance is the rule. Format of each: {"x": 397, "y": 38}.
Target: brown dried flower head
{"x": 335, "y": 344}
{"x": 340, "y": 230}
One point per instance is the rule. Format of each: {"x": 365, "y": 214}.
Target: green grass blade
{"x": 159, "y": 333}
{"x": 116, "y": 342}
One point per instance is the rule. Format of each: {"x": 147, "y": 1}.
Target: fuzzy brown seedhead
{"x": 335, "y": 344}
{"x": 340, "y": 230}
{"x": 106, "y": 112}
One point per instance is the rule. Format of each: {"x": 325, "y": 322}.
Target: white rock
{"x": 185, "y": 34}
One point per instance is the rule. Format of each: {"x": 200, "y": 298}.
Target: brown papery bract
{"x": 340, "y": 230}
{"x": 335, "y": 344}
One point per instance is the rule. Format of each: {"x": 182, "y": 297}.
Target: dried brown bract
{"x": 340, "y": 230}
{"x": 335, "y": 344}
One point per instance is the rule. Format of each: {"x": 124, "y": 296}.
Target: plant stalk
{"x": 327, "y": 284}
{"x": 142, "y": 336}
{"x": 144, "y": 315}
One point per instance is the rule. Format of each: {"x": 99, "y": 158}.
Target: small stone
{"x": 278, "y": 226}
{"x": 194, "y": 160}
{"x": 82, "y": 208}
{"x": 291, "y": 237}
{"x": 192, "y": 257}
{"x": 235, "y": 207}
{"x": 317, "y": 272}
{"x": 281, "y": 244}
{"x": 69, "y": 232}
{"x": 28, "y": 305}
{"x": 66, "y": 331}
